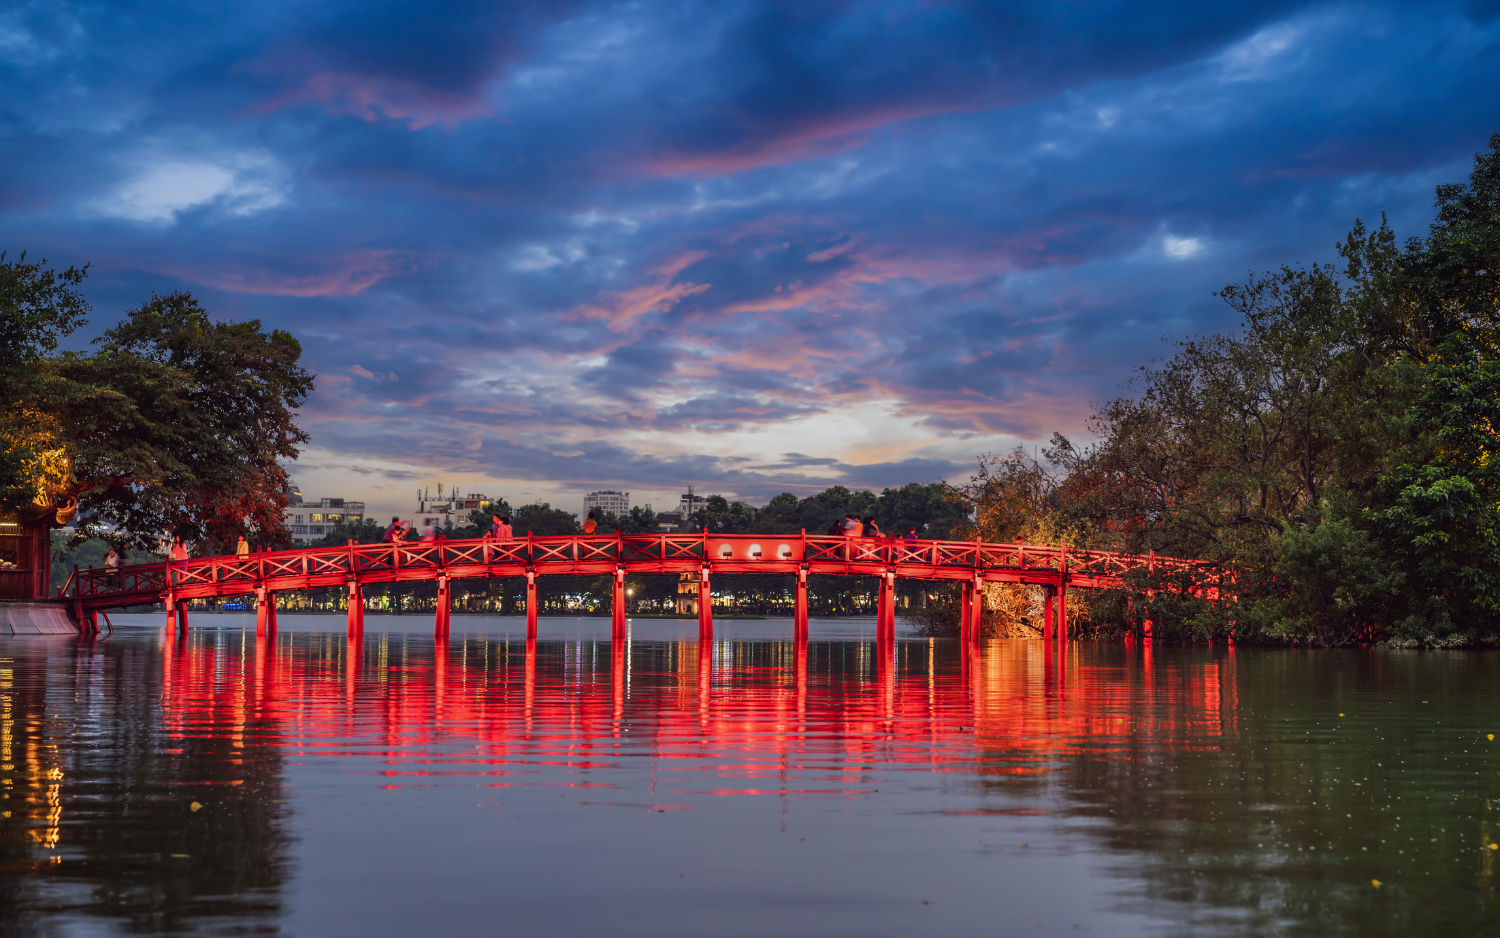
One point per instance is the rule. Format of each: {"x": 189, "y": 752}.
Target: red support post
{"x": 976, "y": 628}
{"x": 265, "y": 612}
{"x": 444, "y": 605}
{"x": 799, "y": 609}
{"x": 1062, "y": 596}
{"x": 617, "y": 604}
{"x": 356, "y": 609}
{"x": 531, "y": 603}
{"x": 1049, "y": 604}
{"x": 705, "y": 603}
{"x": 885, "y": 610}
{"x": 965, "y": 615}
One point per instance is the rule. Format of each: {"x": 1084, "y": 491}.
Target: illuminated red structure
{"x": 972, "y": 563}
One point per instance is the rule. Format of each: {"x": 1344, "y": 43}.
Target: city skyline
{"x": 758, "y": 248}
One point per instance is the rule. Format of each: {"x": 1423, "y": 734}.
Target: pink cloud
{"x": 380, "y": 97}
{"x": 624, "y": 307}
{"x": 806, "y": 140}
{"x": 346, "y": 275}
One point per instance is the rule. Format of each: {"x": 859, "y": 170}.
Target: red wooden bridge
{"x": 972, "y": 563}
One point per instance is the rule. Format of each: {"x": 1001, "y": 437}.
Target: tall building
{"x": 616, "y": 503}
{"x": 310, "y": 521}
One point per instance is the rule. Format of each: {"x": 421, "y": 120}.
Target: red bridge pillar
{"x": 617, "y": 606}
{"x": 799, "y": 611}
{"x": 176, "y": 613}
{"x": 531, "y": 605}
{"x": 1049, "y": 597}
{"x": 885, "y": 610}
{"x": 444, "y": 604}
{"x": 356, "y": 609}
{"x": 705, "y": 607}
{"x": 971, "y": 611}
{"x": 265, "y": 612}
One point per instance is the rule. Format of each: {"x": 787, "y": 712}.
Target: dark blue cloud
{"x": 652, "y": 244}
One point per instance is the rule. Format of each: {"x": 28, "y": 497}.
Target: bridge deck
{"x": 821, "y": 555}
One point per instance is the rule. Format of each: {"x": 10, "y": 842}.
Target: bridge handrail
{"x": 538, "y": 553}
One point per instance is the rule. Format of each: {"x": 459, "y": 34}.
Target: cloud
{"x": 659, "y": 244}
{"x": 380, "y": 97}
{"x": 158, "y": 190}
{"x": 1181, "y": 248}
{"x": 346, "y": 275}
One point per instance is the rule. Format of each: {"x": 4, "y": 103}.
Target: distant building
{"x": 446, "y": 511}
{"x": 616, "y": 503}
{"x": 669, "y": 521}
{"x": 311, "y": 521}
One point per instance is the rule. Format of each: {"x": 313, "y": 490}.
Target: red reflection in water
{"x": 764, "y": 717}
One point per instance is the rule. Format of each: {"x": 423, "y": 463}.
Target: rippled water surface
{"x": 395, "y": 786}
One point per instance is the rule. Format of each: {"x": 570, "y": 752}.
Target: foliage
{"x": 543, "y": 520}
{"x": 363, "y": 531}
{"x": 38, "y": 308}
{"x": 1337, "y": 452}
{"x": 175, "y": 425}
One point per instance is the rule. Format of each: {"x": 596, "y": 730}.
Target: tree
{"x": 543, "y": 520}
{"x": 364, "y": 531}
{"x": 779, "y": 516}
{"x": 176, "y": 424}
{"x": 187, "y": 429}
{"x": 721, "y": 516}
{"x": 931, "y": 508}
{"x": 1336, "y": 451}
{"x": 38, "y": 308}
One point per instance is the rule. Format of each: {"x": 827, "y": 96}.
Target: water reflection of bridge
{"x": 970, "y": 563}
{"x": 113, "y": 739}
{"x": 1011, "y": 696}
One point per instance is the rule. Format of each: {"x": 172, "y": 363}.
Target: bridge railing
{"x": 228, "y": 575}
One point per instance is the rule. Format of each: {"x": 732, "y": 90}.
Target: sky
{"x": 533, "y": 250}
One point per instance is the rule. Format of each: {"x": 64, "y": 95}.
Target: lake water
{"x": 221, "y": 785}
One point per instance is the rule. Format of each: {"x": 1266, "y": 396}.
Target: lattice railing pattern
{"x": 232, "y": 575}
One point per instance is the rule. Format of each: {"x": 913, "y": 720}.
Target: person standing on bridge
{"x": 589, "y": 526}
{"x": 112, "y": 568}
{"x": 242, "y": 549}
{"x": 501, "y": 529}
{"x": 179, "y": 549}
{"x": 392, "y": 532}
{"x": 911, "y": 533}
{"x": 853, "y": 527}
{"x": 871, "y": 528}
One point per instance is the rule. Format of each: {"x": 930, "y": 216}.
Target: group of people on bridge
{"x": 500, "y": 529}
{"x": 399, "y": 531}
{"x": 851, "y": 526}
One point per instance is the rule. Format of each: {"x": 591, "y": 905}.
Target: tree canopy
{"x": 1336, "y": 451}
{"x": 175, "y": 424}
